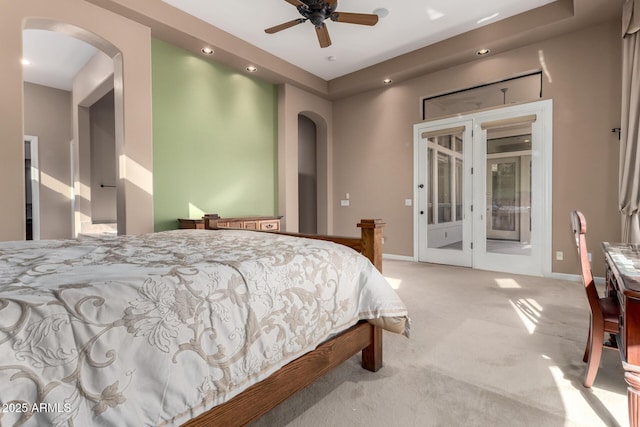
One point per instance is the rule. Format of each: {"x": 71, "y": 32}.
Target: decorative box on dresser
{"x": 190, "y": 223}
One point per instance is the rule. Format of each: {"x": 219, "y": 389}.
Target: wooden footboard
{"x": 369, "y": 244}
{"x": 267, "y": 394}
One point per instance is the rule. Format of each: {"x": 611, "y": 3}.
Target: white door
{"x": 504, "y": 223}
{"x": 443, "y": 192}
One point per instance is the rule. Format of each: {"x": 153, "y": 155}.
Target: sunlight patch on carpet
{"x": 529, "y": 312}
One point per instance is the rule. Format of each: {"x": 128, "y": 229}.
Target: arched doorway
{"x": 79, "y": 182}
{"x": 307, "y": 176}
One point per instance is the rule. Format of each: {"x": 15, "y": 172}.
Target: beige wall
{"x": 47, "y": 115}
{"x": 373, "y": 140}
{"x": 125, "y": 41}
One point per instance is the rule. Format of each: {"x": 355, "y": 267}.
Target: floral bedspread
{"x": 157, "y": 328}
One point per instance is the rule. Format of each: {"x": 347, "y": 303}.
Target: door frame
{"x": 542, "y": 154}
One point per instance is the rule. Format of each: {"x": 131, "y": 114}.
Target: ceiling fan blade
{"x": 284, "y": 26}
{"x": 323, "y": 36}
{"x": 296, "y": 3}
{"x": 355, "y": 18}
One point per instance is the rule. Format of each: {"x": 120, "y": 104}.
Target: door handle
{"x": 421, "y": 186}
{"x": 421, "y": 212}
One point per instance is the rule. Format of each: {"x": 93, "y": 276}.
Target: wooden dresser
{"x": 265, "y": 223}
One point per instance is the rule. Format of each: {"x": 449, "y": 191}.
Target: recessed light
{"x": 387, "y": 81}
{"x": 25, "y": 61}
{"x": 381, "y": 12}
{"x": 207, "y": 51}
{"x": 251, "y": 69}
{"x": 483, "y": 52}
{"x": 331, "y": 58}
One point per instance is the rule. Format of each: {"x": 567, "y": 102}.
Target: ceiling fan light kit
{"x": 318, "y": 11}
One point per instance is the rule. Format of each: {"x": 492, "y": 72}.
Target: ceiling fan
{"x": 317, "y": 11}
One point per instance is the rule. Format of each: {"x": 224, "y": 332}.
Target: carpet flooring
{"x": 486, "y": 349}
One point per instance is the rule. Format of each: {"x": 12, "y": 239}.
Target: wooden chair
{"x": 604, "y": 310}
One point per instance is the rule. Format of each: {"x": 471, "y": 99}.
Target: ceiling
{"x": 420, "y": 35}
{"x": 409, "y": 25}
{"x": 54, "y": 58}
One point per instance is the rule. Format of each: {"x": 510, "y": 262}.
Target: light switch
{"x": 408, "y": 202}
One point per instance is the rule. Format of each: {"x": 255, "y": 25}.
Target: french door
{"x": 444, "y": 196}
{"x": 483, "y": 189}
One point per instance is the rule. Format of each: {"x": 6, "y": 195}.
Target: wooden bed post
{"x": 372, "y": 354}
{"x": 371, "y": 231}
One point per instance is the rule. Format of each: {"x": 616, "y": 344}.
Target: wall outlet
{"x": 408, "y": 202}
{"x": 344, "y": 202}
{"x": 559, "y": 255}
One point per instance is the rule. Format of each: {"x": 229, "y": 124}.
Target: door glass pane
{"x": 444, "y": 141}
{"x": 458, "y": 181}
{"x": 508, "y": 186}
{"x": 504, "y": 199}
{"x": 430, "y": 186}
{"x": 444, "y": 188}
{"x": 445, "y": 198}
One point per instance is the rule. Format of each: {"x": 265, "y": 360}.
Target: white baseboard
{"x": 553, "y": 275}
{"x": 575, "y": 278}
{"x": 398, "y": 257}
{"x": 565, "y": 276}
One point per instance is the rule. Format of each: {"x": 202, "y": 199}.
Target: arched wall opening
{"x": 307, "y": 176}
{"x": 293, "y": 103}
{"x": 99, "y": 77}
{"x": 129, "y": 45}
{"x": 315, "y": 221}
{"x": 70, "y": 107}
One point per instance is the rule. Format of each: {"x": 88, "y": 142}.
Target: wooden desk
{"x": 623, "y": 279}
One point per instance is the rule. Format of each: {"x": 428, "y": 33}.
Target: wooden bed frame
{"x": 268, "y": 393}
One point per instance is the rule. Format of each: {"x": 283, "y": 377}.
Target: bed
{"x": 184, "y": 327}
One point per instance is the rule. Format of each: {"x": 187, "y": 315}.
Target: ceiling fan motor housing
{"x": 316, "y": 11}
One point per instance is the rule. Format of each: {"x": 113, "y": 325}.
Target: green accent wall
{"x": 214, "y": 139}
